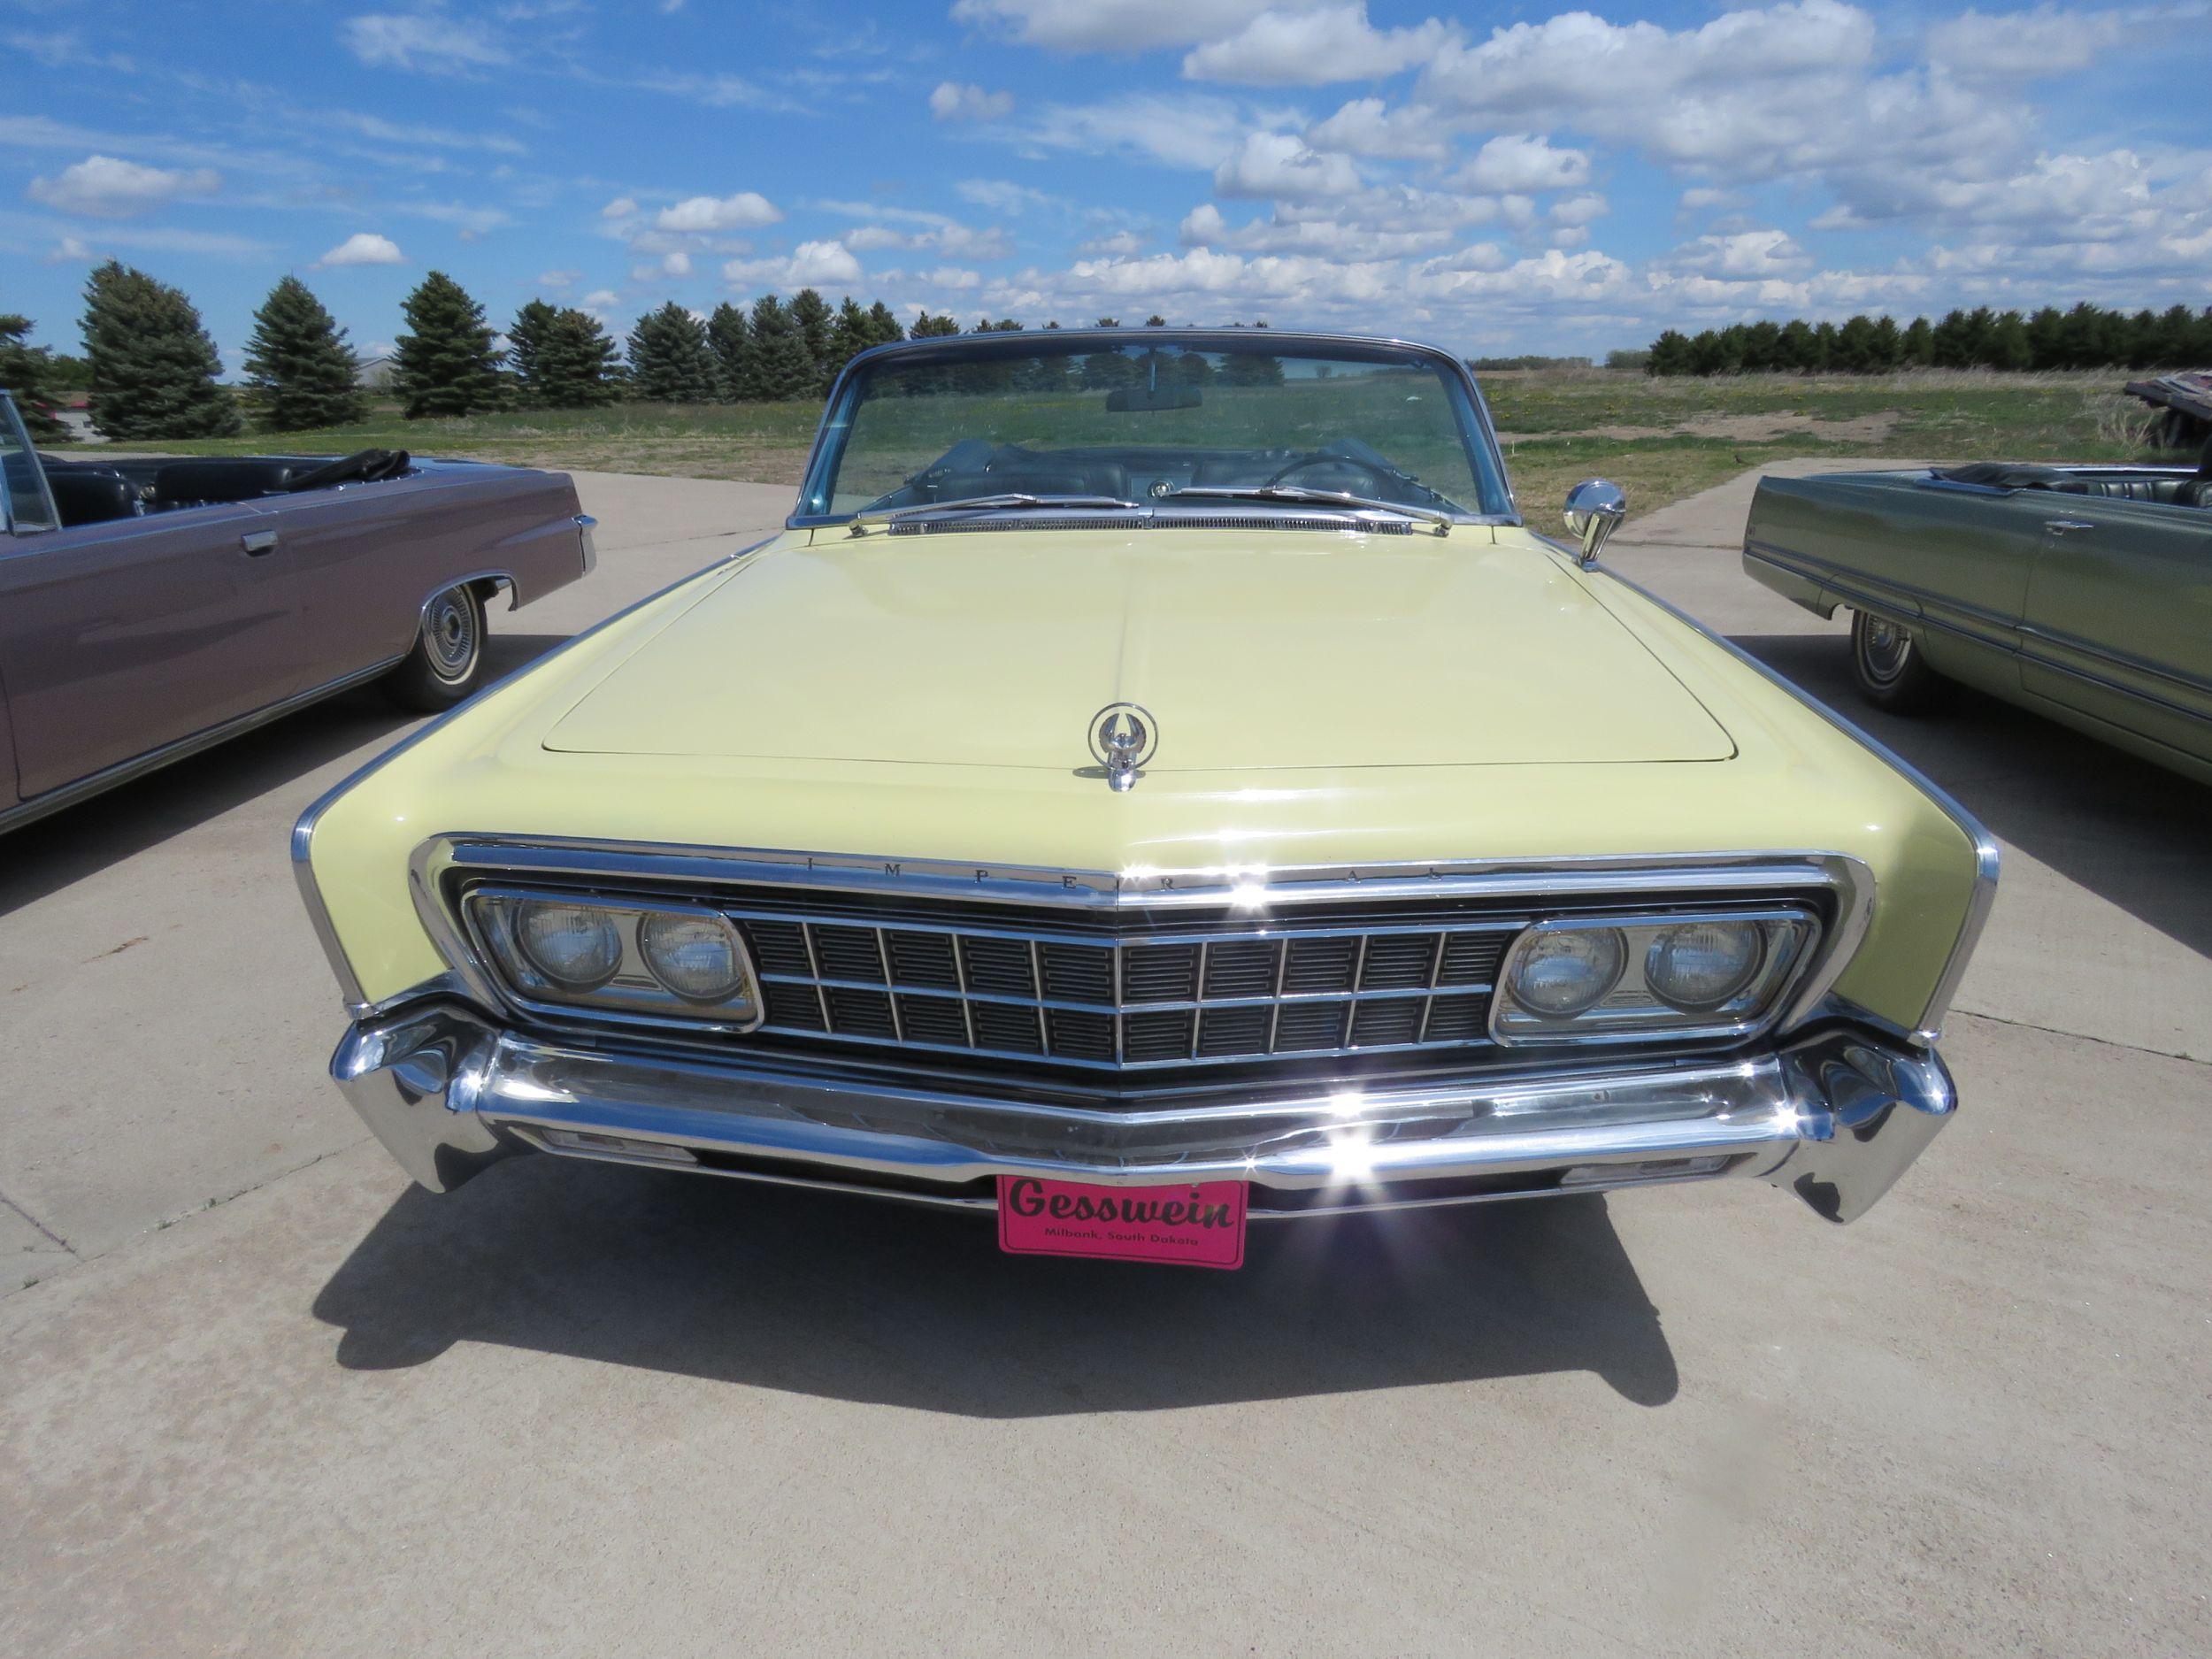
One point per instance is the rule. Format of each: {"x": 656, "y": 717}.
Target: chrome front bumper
{"x": 1835, "y": 1118}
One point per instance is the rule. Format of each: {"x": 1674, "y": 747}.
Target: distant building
{"x": 374, "y": 374}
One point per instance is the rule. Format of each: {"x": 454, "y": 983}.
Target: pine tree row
{"x": 2087, "y": 337}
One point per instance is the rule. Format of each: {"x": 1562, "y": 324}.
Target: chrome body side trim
{"x": 1987, "y": 857}
{"x": 1835, "y": 1118}
{"x": 498, "y": 578}
{"x": 183, "y": 749}
{"x": 590, "y": 545}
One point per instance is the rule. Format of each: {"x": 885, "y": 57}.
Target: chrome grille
{"x": 1151, "y": 999}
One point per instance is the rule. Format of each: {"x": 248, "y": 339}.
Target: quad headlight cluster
{"x": 617, "y": 954}
{"x": 1604, "y": 978}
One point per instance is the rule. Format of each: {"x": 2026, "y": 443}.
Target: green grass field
{"x": 1660, "y": 440}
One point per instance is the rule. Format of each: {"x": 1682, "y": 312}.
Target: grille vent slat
{"x": 1180, "y": 987}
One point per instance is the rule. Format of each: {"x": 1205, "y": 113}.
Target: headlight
{"x": 1562, "y": 973}
{"x": 1701, "y": 964}
{"x": 1612, "y": 978}
{"x": 695, "y": 956}
{"x": 575, "y": 946}
{"x": 628, "y": 959}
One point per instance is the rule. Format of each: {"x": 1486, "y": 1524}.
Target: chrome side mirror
{"x": 1595, "y": 507}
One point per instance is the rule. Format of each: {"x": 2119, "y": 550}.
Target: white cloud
{"x": 1790, "y": 89}
{"x": 364, "y": 247}
{"x": 1749, "y": 256}
{"x": 421, "y": 40}
{"x": 956, "y": 101}
{"x": 105, "y": 188}
{"x": 1313, "y": 47}
{"x": 1114, "y": 26}
{"x": 1525, "y": 162}
{"x": 1580, "y": 210}
{"x": 621, "y": 207}
{"x": 557, "y": 280}
{"x": 1185, "y": 130}
{"x": 744, "y": 211}
{"x": 1000, "y": 196}
{"x": 810, "y": 265}
{"x": 1367, "y": 126}
{"x": 1284, "y": 167}
{"x": 2020, "y": 46}
{"x": 1118, "y": 244}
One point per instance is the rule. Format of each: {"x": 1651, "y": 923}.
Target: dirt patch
{"x": 1740, "y": 428}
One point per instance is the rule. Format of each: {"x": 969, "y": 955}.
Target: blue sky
{"x": 1517, "y": 179}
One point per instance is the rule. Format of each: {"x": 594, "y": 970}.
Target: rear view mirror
{"x": 1143, "y": 400}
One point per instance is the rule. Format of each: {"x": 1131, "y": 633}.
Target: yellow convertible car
{"x": 1155, "y": 783}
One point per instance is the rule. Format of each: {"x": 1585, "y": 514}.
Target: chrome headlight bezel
{"x": 1631, "y": 1009}
{"x": 633, "y": 992}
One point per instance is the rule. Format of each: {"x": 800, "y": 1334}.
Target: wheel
{"x": 446, "y": 664}
{"x": 1891, "y": 673}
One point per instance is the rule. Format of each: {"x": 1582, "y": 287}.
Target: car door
{"x": 119, "y": 638}
{"x": 2119, "y": 618}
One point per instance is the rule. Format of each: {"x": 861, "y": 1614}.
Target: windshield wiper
{"x": 860, "y": 521}
{"x": 1443, "y": 521}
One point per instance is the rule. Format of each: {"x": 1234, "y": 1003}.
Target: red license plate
{"x": 1191, "y": 1224}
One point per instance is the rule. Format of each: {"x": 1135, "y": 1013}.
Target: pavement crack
{"x": 2084, "y": 1036}
{"x": 44, "y": 1230}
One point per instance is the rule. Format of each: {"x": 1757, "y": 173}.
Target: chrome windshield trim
{"x": 1988, "y": 858}
{"x": 1483, "y": 435}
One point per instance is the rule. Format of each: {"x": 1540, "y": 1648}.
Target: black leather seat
{"x": 91, "y": 495}
{"x": 223, "y": 479}
{"x": 2198, "y": 491}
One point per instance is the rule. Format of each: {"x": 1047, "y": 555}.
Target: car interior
{"x": 96, "y": 492}
{"x": 2177, "y": 488}
{"x": 976, "y": 467}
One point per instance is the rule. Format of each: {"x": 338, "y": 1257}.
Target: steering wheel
{"x": 1378, "y": 480}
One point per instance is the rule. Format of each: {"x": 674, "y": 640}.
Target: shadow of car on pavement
{"x": 51, "y": 853}
{"x": 2128, "y": 831}
{"x": 889, "y": 1303}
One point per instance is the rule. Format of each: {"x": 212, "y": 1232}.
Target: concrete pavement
{"x": 263, "y": 1397}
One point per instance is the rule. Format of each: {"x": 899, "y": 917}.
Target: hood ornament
{"x": 1124, "y": 736}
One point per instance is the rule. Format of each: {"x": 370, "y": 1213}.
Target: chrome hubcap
{"x": 1884, "y": 646}
{"x": 448, "y": 633}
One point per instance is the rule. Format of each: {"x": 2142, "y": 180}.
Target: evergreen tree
{"x": 810, "y": 314}
{"x": 927, "y": 327}
{"x": 733, "y": 345}
{"x": 561, "y": 358}
{"x": 780, "y": 365}
{"x": 1155, "y": 321}
{"x": 528, "y": 338}
{"x": 301, "y": 371}
{"x": 1855, "y": 352}
{"x": 850, "y": 335}
{"x": 670, "y": 359}
{"x": 883, "y": 327}
{"x": 1670, "y": 353}
{"x": 1916, "y": 345}
{"x": 1796, "y": 349}
{"x": 2006, "y": 344}
{"x": 445, "y": 362}
{"x": 153, "y": 365}
{"x": 28, "y": 370}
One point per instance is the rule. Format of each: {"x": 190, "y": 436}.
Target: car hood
{"x": 1251, "y": 652}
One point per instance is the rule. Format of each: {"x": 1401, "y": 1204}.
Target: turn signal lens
{"x": 575, "y": 946}
{"x": 1563, "y": 971}
{"x": 696, "y": 956}
{"x": 1702, "y": 964}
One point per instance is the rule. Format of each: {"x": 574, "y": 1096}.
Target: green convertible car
{"x": 2083, "y": 593}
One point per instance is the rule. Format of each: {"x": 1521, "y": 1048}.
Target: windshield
{"x": 1118, "y": 419}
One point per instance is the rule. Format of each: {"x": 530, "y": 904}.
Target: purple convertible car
{"x": 151, "y": 606}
